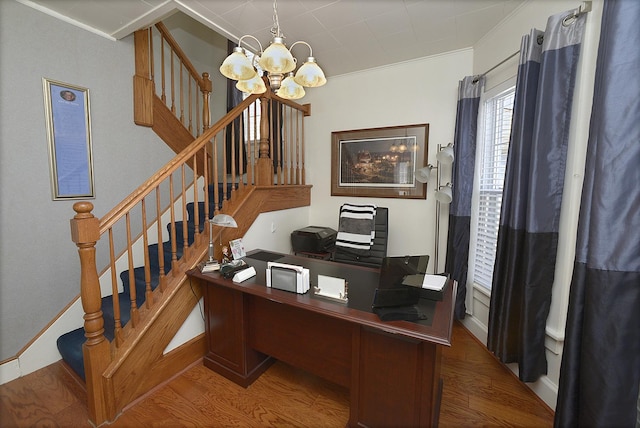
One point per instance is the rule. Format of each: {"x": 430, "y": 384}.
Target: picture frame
{"x": 237, "y": 249}
{"x": 68, "y": 124}
{"x": 379, "y": 162}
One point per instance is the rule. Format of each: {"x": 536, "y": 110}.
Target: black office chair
{"x": 377, "y": 251}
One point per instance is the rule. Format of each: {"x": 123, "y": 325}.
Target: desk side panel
{"x": 226, "y": 331}
{"x": 395, "y": 381}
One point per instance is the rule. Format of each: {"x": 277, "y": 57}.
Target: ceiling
{"x": 346, "y": 35}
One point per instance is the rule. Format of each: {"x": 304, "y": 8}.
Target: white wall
{"x": 499, "y": 44}
{"x": 272, "y": 231}
{"x": 420, "y": 91}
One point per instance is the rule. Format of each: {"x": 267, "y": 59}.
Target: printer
{"x": 313, "y": 239}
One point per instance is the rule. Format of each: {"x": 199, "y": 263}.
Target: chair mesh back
{"x": 378, "y": 249}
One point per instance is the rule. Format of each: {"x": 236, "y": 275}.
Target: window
{"x": 252, "y": 115}
{"x": 495, "y": 129}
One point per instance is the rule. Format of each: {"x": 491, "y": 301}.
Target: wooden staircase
{"x": 207, "y": 174}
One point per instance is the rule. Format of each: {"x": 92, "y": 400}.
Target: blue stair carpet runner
{"x": 70, "y": 344}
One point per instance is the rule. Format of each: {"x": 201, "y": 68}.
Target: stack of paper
{"x": 426, "y": 281}
{"x": 434, "y": 282}
{"x": 209, "y": 267}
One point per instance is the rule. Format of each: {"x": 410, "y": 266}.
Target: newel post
{"x": 264, "y": 167}
{"x": 85, "y": 232}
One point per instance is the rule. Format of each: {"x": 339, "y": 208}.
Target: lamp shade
{"x": 252, "y": 86}
{"x": 237, "y": 66}
{"x": 223, "y": 220}
{"x": 310, "y": 74}
{"x": 277, "y": 58}
{"x": 423, "y": 174}
{"x": 289, "y": 89}
{"x": 445, "y": 194}
{"x": 445, "y": 155}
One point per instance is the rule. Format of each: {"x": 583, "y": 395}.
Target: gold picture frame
{"x": 379, "y": 162}
{"x": 68, "y": 124}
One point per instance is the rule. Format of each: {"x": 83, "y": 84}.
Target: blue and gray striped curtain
{"x": 464, "y": 146}
{"x": 529, "y": 220}
{"x": 600, "y": 371}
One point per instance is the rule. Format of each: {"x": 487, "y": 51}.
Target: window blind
{"x": 495, "y": 146}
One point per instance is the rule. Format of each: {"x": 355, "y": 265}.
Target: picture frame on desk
{"x": 379, "y": 162}
{"x": 237, "y": 249}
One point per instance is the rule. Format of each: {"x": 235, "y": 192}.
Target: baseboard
{"x": 476, "y": 328}
{"x": 9, "y": 370}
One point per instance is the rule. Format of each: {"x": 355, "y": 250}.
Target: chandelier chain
{"x": 275, "y": 30}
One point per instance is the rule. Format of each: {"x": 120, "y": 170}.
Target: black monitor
{"x": 391, "y": 292}
{"x": 394, "y": 269}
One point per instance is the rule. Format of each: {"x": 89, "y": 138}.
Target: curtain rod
{"x": 585, "y": 7}
{"x": 496, "y": 66}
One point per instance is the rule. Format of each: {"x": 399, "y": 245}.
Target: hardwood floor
{"x": 478, "y": 391}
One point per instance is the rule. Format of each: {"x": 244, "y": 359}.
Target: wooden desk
{"x": 392, "y": 369}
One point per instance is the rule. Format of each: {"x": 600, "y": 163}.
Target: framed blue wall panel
{"x": 69, "y": 135}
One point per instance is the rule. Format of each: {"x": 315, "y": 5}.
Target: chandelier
{"x": 279, "y": 64}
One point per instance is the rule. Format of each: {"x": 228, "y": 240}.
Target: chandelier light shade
{"x": 310, "y": 74}
{"x": 252, "y": 86}
{"x": 290, "y": 89}
{"x": 277, "y": 62}
{"x": 277, "y": 58}
{"x": 237, "y": 66}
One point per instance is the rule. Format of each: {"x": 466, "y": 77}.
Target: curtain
{"x": 234, "y": 133}
{"x": 529, "y": 219}
{"x": 464, "y": 146}
{"x": 600, "y": 370}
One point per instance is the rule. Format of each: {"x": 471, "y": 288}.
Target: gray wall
{"x": 39, "y": 265}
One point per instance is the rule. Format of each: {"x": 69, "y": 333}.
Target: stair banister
{"x": 144, "y": 80}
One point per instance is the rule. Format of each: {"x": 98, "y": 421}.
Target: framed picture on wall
{"x": 379, "y": 162}
{"x": 68, "y": 125}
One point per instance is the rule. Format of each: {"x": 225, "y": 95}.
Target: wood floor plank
{"x": 477, "y": 391}
{"x": 22, "y": 405}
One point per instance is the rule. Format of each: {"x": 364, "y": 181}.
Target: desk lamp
{"x": 221, "y": 220}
